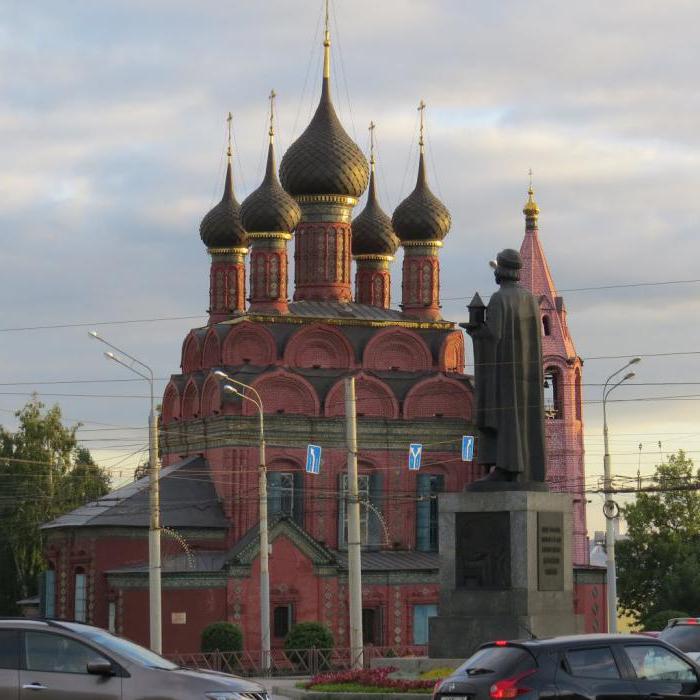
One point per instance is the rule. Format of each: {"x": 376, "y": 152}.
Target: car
{"x": 577, "y": 667}
{"x": 684, "y": 634}
{"x": 54, "y": 660}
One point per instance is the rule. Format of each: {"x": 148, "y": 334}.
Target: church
{"x": 409, "y": 368}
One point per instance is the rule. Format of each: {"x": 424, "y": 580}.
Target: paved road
{"x": 279, "y": 683}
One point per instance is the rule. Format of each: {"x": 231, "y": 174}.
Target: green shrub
{"x": 308, "y": 635}
{"x": 657, "y": 621}
{"x": 222, "y": 636}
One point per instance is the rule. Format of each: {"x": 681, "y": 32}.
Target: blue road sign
{"x": 415, "y": 452}
{"x": 467, "y": 448}
{"x": 313, "y": 459}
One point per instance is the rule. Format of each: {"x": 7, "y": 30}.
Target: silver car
{"x": 55, "y": 660}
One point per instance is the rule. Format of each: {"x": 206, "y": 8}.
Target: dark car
{"x": 70, "y": 661}
{"x": 684, "y": 634}
{"x": 595, "y": 666}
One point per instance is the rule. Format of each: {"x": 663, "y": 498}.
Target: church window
{"x": 428, "y": 486}
{"x": 421, "y": 614}
{"x": 552, "y": 393}
{"x": 546, "y": 325}
{"x": 363, "y": 492}
{"x": 282, "y": 620}
{"x": 47, "y": 591}
{"x": 285, "y": 494}
{"x": 80, "y": 597}
{"x": 413, "y": 284}
{"x": 112, "y": 616}
{"x": 577, "y": 397}
{"x": 378, "y": 294}
{"x": 274, "y": 276}
{"x": 331, "y": 259}
{"x": 427, "y": 284}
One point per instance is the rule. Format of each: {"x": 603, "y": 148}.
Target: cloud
{"x": 113, "y": 121}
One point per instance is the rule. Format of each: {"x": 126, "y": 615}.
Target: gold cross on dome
{"x": 229, "y": 119}
{"x": 272, "y": 96}
{"x": 529, "y": 172}
{"x": 371, "y": 142}
{"x": 421, "y": 109}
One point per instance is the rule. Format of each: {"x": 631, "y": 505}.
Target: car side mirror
{"x": 100, "y": 667}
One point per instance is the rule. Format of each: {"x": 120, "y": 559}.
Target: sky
{"x": 113, "y": 137}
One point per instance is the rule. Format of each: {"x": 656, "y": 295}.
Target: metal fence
{"x": 300, "y": 662}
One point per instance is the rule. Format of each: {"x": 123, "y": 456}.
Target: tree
{"x": 659, "y": 562}
{"x": 44, "y": 473}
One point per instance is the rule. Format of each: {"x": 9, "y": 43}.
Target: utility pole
{"x": 124, "y": 359}
{"x": 354, "y": 540}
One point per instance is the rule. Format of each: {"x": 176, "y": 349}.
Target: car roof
{"x": 578, "y": 640}
{"x": 36, "y": 622}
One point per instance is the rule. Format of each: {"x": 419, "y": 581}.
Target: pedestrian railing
{"x": 297, "y": 662}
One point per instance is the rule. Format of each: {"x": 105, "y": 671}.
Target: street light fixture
{"x": 264, "y": 540}
{"x": 610, "y": 507}
{"x": 154, "y": 563}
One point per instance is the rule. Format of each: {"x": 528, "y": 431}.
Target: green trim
{"x": 169, "y": 580}
{"x": 297, "y": 431}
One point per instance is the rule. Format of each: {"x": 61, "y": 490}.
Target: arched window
{"x": 80, "y": 596}
{"x": 552, "y": 393}
{"x": 428, "y": 486}
{"x": 577, "y": 395}
{"x": 285, "y": 494}
{"x": 546, "y": 325}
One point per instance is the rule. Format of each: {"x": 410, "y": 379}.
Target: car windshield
{"x": 497, "y": 660}
{"x": 683, "y": 637}
{"x": 129, "y": 650}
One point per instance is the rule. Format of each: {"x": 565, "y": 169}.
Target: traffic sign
{"x": 415, "y": 452}
{"x": 467, "y": 448}
{"x": 313, "y": 459}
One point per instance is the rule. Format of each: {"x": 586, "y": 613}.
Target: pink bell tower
{"x": 562, "y": 372}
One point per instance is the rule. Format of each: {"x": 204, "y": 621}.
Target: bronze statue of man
{"x": 509, "y": 377}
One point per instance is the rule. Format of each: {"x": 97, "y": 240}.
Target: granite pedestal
{"x": 505, "y": 569}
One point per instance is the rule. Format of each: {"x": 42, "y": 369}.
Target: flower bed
{"x": 374, "y": 680}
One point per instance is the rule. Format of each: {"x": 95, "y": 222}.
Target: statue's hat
{"x": 508, "y": 259}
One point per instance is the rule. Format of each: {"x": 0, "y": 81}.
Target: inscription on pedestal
{"x": 482, "y": 551}
{"x": 550, "y": 554}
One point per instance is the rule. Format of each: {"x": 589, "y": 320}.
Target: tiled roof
{"x": 188, "y": 500}
{"x": 393, "y": 561}
{"x": 197, "y": 561}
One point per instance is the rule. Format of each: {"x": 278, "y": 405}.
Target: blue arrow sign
{"x": 415, "y": 452}
{"x": 467, "y": 448}
{"x": 313, "y": 459}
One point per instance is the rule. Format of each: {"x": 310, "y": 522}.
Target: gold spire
{"x": 531, "y": 210}
{"x": 271, "y": 132}
{"x": 327, "y": 49}
{"x": 421, "y": 109}
{"x": 371, "y": 145}
{"x": 229, "y": 119}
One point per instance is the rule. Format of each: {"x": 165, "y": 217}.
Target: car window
{"x": 683, "y": 637}
{"x": 597, "y": 662}
{"x": 58, "y": 654}
{"x": 655, "y": 663}
{"x": 118, "y": 645}
{"x": 9, "y": 649}
{"x": 502, "y": 660}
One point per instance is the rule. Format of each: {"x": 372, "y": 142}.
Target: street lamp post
{"x": 609, "y": 506}
{"x": 264, "y": 540}
{"x": 154, "y": 562}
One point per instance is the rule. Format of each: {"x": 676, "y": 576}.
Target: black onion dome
{"x": 222, "y": 227}
{"x": 421, "y": 216}
{"x": 270, "y": 208}
{"x": 372, "y": 232}
{"x": 324, "y": 159}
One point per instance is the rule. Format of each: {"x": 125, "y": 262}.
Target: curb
{"x": 299, "y": 694}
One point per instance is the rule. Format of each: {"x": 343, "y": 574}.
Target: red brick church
{"x": 408, "y": 363}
